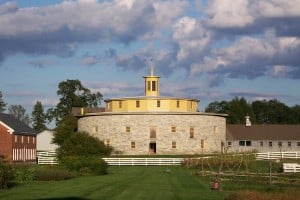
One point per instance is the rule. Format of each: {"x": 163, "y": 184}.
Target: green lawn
{"x": 121, "y": 183}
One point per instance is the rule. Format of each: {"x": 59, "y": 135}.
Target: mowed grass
{"x": 121, "y": 183}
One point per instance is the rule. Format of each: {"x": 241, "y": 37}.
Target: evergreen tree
{"x": 38, "y": 117}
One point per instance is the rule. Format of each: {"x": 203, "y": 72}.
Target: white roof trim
{"x": 9, "y": 129}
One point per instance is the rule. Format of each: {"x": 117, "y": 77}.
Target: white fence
{"x": 46, "y": 158}
{"x": 277, "y": 155}
{"x": 143, "y": 161}
{"x": 291, "y": 167}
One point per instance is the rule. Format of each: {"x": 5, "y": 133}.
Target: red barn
{"x": 17, "y": 140}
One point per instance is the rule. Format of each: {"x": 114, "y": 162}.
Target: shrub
{"x": 51, "y": 173}
{"x": 24, "y": 174}
{"x": 6, "y": 175}
{"x": 85, "y": 165}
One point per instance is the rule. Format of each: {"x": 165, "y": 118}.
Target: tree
{"x": 38, "y": 117}
{"x": 65, "y": 129}
{"x": 2, "y": 103}
{"x": 218, "y": 107}
{"x": 73, "y": 94}
{"x": 19, "y": 112}
{"x": 238, "y": 109}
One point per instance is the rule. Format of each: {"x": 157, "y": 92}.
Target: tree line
{"x": 73, "y": 94}
{"x": 260, "y": 112}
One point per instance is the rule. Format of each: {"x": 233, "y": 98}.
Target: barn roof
{"x": 263, "y": 132}
{"x": 16, "y": 125}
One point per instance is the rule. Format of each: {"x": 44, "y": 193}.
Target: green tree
{"x": 73, "y": 94}
{"x": 272, "y": 112}
{"x": 238, "y": 109}
{"x": 38, "y": 117}
{"x": 296, "y": 113}
{"x": 65, "y": 129}
{"x": 2, "y": 103}
{"x": 218, "y": 107}
{"x": 19, "y": 112}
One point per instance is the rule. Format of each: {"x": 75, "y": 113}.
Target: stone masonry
{"x": 129, "y": 133}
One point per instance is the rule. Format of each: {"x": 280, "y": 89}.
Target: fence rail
{"x": 278, "y": 155}
{"x": 46, "y": 158}
{"x": 143, "y": 161}
{"x": 291, "y": 167}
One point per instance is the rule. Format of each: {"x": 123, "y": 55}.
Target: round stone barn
{"x": 154, "y": 124}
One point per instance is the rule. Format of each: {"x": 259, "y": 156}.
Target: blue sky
{"x": 209, "y": 50}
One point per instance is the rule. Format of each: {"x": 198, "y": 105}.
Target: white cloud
{"x": 228, "y": 13}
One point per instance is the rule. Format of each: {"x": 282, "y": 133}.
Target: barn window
{"x": 22, "y": 139}
{"x": 173, "y": 129}
{"x": 177, "y": 104}
{"x": 289, "y": 144}
{"x": 248, "y": 143}
{"x": 137, "y": 104}
{"x": 173, "y": 145}
{"x": 280, "y": 144}
{"x": 107, "y": 142}
{"x": 158, "y": 103}
{"x": 298, "y": 144}
{"x": 192, "y": 130}
{"x": 33, "y": 140}
{"x": 120, "y": 104}
{"x": 261, "y": 143}
{"x": 153, "y": 86}
{"x": 229, "y": 144}
{"x": 132, "y": 144}
{"x": 127, "y": 129}
{"x": 242, "y": 143}
{"x": 28, "y": 140}
{"x": 149, "y": 85}
{"x": 215, "y": 129}
{"x": 152, "y": 132}
{"x": 270, "y": 144}
{"x": 16, "y": 138}
{"x": 95, "y": 129}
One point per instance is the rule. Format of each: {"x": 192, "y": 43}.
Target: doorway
{"x": 152, "y": 148}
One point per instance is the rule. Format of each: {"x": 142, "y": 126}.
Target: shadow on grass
{"x": 65, "y": 198}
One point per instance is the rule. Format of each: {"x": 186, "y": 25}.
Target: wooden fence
{"x": 291, "y": 167}
{"x": 143, "y": 161}
{"x": 278, "y": 155}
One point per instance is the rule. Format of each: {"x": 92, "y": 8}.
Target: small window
{"x": 280, "y": 144}
{"x": 16, "y": 138}
{"x": 127, "y": 129}
{"x": 153, "y": 85}
{"x": 192, "y": 130}
{"x": 202, "y": 144}
{"x": 158, "y": 103}
{"x": 107, "y": 142}
{"x": 173, "y": 129}
{"x": 215, "y": 129}
{"x": 120, "y": 104}
{"x": 229, "y": 144}
{"x": 270, "y": 144}
{"x": 298, "y": 144}
{"x": 137, "y": 104}
{"x": 241, "y": 143}
{"x": 289, "y": 144}
{"x": 95, "y": 129}
{"x": 248, "y": 143}
{"x": 152, "y": 132}
{"x": 261, "y": 143}
{"x": 177, "y": 104}
{"x": 173, "y": 145}
{"x": 132, "y": 144}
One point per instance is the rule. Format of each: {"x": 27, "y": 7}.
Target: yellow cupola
{"x": 151, "y": 85}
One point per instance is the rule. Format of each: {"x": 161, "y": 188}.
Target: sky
{"x": 212, "y": 50}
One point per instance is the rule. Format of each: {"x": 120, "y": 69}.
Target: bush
{"x": 52, "y": 173}
{"x": 24, "y": 174}
{"x": 6, "y": 175}
{"x": 85, "y": 165}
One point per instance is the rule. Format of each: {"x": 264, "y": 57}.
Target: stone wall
{"x": 111, "y": 128}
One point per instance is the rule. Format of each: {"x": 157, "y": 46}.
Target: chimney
{"x": 248, "y": 122}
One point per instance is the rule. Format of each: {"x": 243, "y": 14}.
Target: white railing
{"x": 291, "y": 167}
{"x": 46, "y": 158}
{"x": 277, "y": 155}
{"x": 143, "y": 161}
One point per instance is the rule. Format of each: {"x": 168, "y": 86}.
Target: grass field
{"x": 121, "y": 183}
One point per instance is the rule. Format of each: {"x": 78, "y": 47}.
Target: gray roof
{"x": 263, "y": 132}
{"x": 15, "y": 124}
